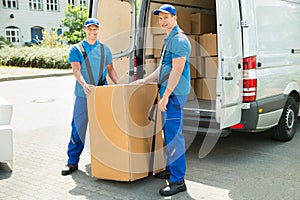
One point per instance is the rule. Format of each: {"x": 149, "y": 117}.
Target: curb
{"x": 33, "y": 76}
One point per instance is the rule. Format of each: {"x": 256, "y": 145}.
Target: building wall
{"x": 24, "y": 18}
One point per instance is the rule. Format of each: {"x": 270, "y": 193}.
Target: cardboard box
{"x": 208, "y": 45}
{"x": 121, "y": 132}
{"x": 192, "y": 94}
{"x": 200, "y": 67}
{"x": 184, "y": 21}
{"x": 158, "y": 41}
{"x": 211, "y": 67}
{"x": 208, "y": 91}
{"x": 193, "y": 67}
{"x": 193, "y": 41}
{"x": 203, "y": 23}
{"x": 198, "y": 87}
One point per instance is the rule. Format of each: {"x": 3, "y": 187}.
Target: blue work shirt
{"x": 178, "y": 46}
{"x": 94, "y": 55}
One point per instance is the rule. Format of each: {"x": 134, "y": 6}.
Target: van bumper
{"x": 262, "y": 114}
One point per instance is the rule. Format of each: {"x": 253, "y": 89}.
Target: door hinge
{"x": 244, "y": 23}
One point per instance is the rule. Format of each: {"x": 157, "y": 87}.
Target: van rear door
{"x": 117, "y": 30}
{"x": 229, "y": 79}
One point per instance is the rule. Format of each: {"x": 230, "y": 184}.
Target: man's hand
{"x": 139, "y": 81}
{"x": 86, "y": 88}
{"x": 162, "y": 104}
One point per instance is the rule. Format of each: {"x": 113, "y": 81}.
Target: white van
{"x": 257, "y": 82}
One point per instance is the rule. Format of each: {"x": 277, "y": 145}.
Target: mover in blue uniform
{"x": 173, "y": 77}
{"x": 86, "y": 59}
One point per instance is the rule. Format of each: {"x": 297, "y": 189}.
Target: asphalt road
{"x": 240, "y": 166}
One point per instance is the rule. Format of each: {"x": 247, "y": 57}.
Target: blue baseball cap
{"x": 166, "y": 8}
{"x": 91, "y": 21}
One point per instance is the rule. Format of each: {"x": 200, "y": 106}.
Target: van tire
{"x": 286, "y": 128}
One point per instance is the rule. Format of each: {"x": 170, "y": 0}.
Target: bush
{"x": 35, "y": 56}
{"x": 4, "y": 42}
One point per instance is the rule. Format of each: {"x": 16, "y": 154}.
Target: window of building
{"x": 82, "y": 2}
{"x": 10, "y": 3}
{"x": 52, "y": 5}
{"x": 59, "y": 31}
{"x": 35, "y": 4}
{"x": 13, "y": 34}
{"x": 72, "y": 2}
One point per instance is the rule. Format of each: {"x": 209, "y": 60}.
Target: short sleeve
{"x": 180, "y": 47}
{"x": 108, "y": 55}
{"x": 74, "y": 54}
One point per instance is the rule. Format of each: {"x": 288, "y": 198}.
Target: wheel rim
{"x": 290, "y": 119}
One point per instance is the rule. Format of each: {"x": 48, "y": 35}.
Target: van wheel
{"x": 286, "y": 127}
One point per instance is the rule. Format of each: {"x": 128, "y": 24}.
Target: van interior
{"x": 197, "y": 18}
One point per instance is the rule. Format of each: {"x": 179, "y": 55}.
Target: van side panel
{"x": 271, "y": 33}
{"x": 278, "y": 28}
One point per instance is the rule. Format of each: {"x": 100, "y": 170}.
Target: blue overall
{"x": 79, "y": 127}
{"x": 175, "y": 144}
{"x": 80, "y": 111}
{"x": 178, "y": 46}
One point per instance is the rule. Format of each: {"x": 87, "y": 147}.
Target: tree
{"x": 75, "y": 17}
{"x": 51, "y": 39}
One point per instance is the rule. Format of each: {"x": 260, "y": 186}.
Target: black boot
{"x": 69, "y": 169}
{"x": 173, "y": 188}
{"x": 163, "y": 175}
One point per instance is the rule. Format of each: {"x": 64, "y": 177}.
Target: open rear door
{"x": 117, "y": 30}
{"x": 229, "y": 80}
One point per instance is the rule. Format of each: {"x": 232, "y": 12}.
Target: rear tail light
{"x": 237, "y": 126}
{"x": 249, "y": 79}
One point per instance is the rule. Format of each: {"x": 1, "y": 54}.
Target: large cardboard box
{"x": 121, "y": 132}
{"x": 203, "y": 23}
{"x": 208, "y": 44}
{"x": 211, "y": 67}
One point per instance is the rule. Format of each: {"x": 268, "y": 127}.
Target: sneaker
{"x": 69, "y": 169}
{"x": 173, "y": 188}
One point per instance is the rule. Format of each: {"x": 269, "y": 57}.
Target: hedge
{"x": 35, "y": 56}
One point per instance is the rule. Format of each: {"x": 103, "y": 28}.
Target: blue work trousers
{"x": 175, "y": 143}
{"x": 79, "y": 127}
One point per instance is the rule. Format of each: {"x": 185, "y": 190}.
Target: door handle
{"x": 228, "y": 78}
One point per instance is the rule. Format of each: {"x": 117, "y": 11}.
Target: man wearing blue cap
{"x": 173, "y": 77}
{"x": 91, "y": 61}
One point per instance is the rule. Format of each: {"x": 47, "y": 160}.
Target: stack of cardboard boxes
{"x": 201, "y": 31}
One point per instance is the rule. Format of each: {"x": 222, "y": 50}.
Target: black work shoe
{"x": 173, "y": 188}
{"x": 163, "y": 175}
{"x": 69, "y": 169}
